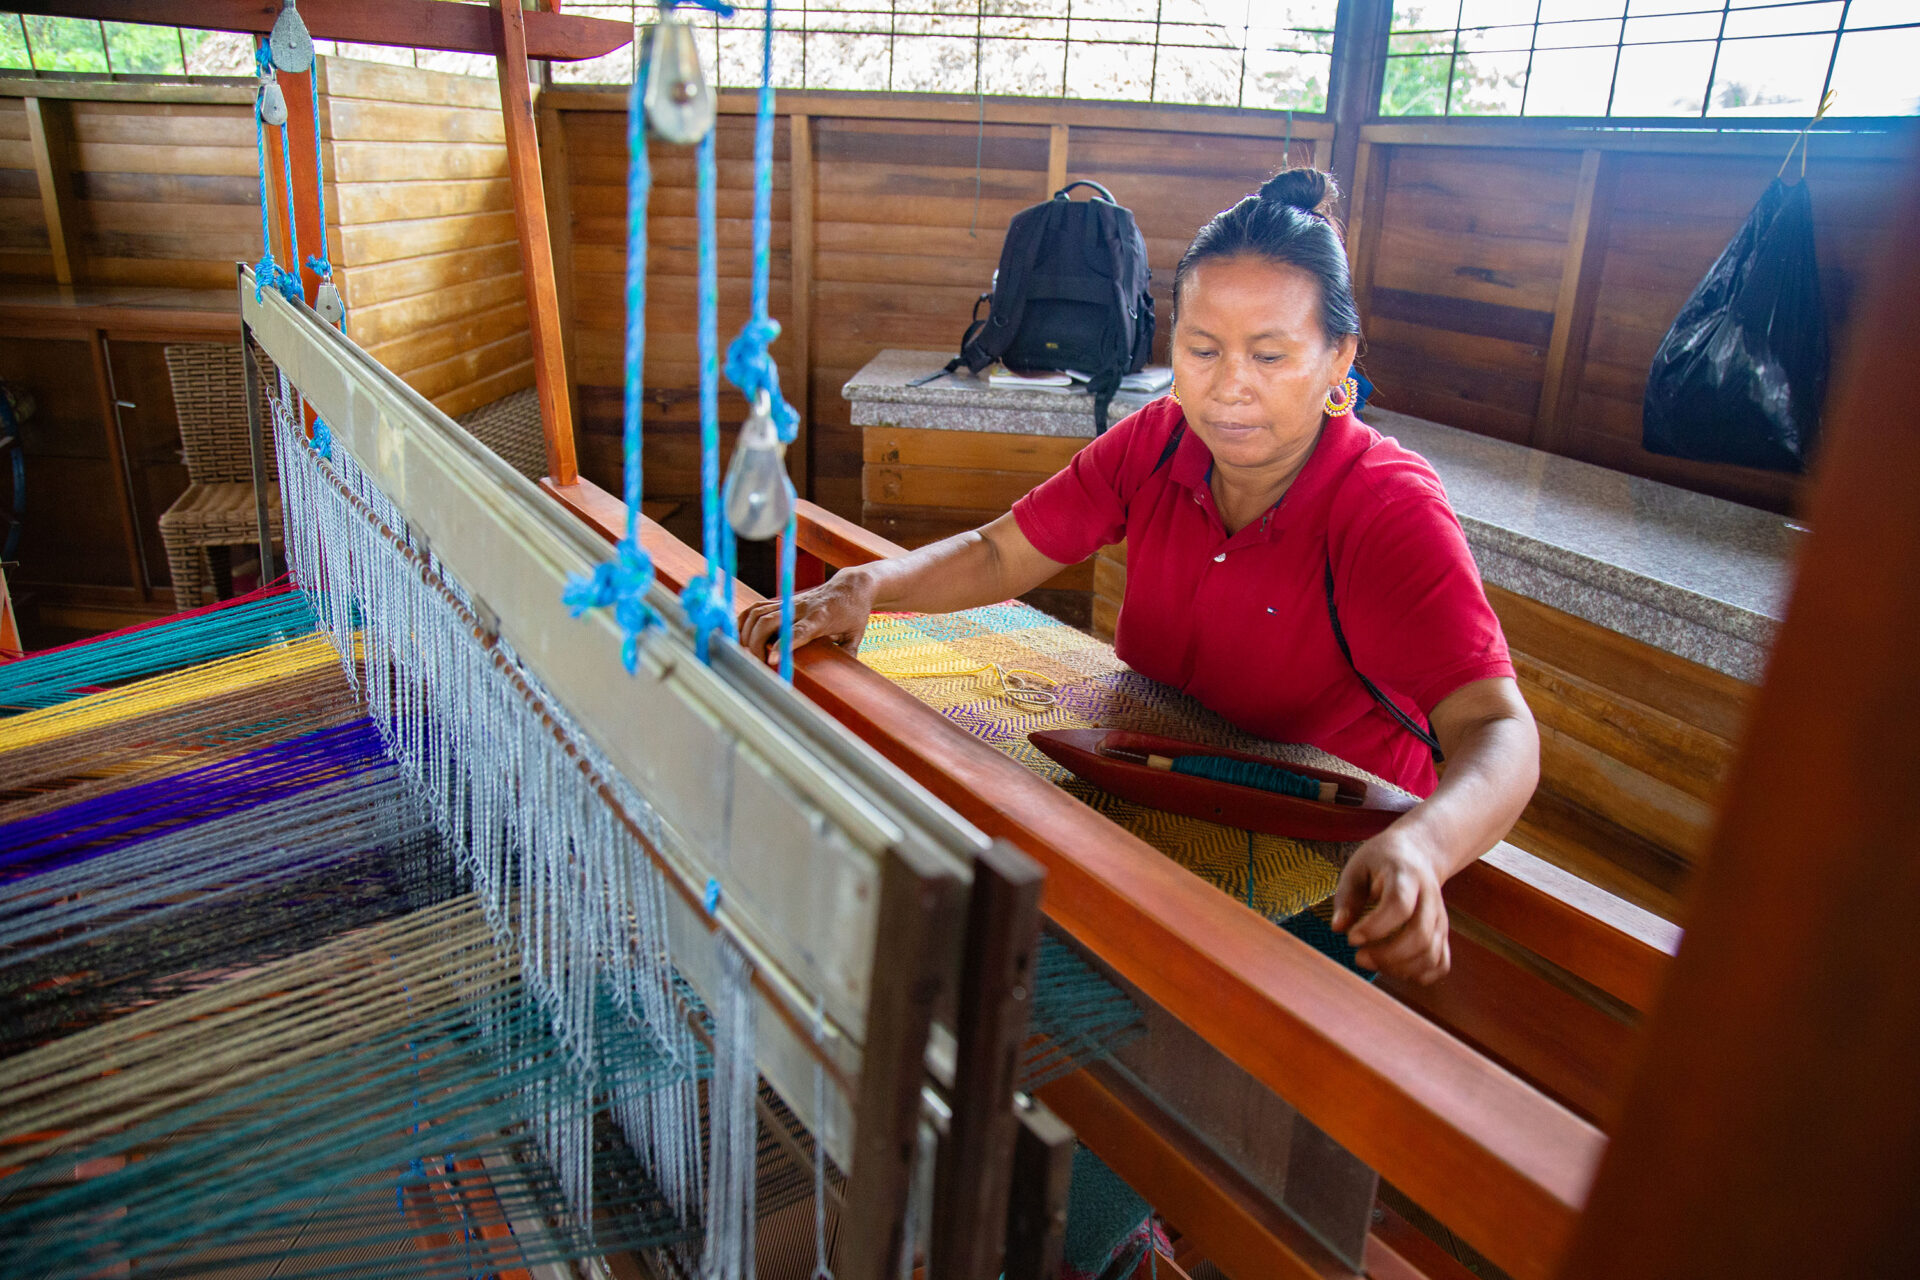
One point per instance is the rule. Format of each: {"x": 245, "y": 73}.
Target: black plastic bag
{"x": 1742, "y": 374}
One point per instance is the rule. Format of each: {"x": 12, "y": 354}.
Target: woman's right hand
{"x": 837, "y": 611}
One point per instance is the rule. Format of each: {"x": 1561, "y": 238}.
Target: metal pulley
{"x": 272, "y": 102}
{"x": 291, "y": 46}
{"x": 679, "y": 101}
{"x": 758, "y": 497}
{"x": 328, "y": 305}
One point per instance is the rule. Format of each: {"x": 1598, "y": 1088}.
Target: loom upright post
{"x": 256, "y": 446}
{"x": 536, "y": 249}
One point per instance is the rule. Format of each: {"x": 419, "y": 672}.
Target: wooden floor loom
{"x": 841, "y": 943}
{"x": 892, "y": 943}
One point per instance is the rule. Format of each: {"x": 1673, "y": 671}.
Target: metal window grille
{"x": 1234, "y": 53}
{"x": 1644, "y": 59}
{"x": 1275, "y": 54}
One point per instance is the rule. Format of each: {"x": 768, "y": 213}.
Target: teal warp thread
{"x": 1311, "y": 929}
{"x": 219, "y": 631}
{"x": 709, "y": 598}
{"x": 1249, "y": 773}
{"x": 623, "y": 581}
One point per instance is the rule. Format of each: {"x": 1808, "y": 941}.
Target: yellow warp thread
{"x": 1020, "y": 684}
{"x": 160, "y": 693}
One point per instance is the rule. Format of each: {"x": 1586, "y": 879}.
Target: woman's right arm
{"x": 982, "y": 566}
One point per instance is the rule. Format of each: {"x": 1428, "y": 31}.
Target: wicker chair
{"x": 510, "y": 426}
{"x": 217, "y": 512}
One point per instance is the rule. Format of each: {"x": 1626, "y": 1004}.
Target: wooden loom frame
{"x": 955, "y": 917}
{"x": 867, "y": 909}
{"x": 1447, "y": 1126}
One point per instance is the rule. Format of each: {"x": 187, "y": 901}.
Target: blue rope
{"x": 724, "y": 10}
{"x": 267, "y": 273}
{"x": 623, "y": 581}
{"x": 709, "y": 598}
{"x": 750, "y": 365}
{"x": 320, "y": 266}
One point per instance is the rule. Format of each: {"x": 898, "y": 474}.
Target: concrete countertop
{"x": 1695, "y": 576}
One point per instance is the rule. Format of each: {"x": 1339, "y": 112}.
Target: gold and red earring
{"x": 1342, "y": 398}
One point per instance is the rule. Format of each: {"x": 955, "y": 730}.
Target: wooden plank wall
{"x": 906, "y": 234}
{"x": 164, "y": 193}
{"x": 1516, "y": 282}
{"x": 168, "y": 193}
{"x": 423, "y": 229}
{"x": 24, "y": 252}
{"x": 160, "y": 189}
{"x": 595, "y": 147}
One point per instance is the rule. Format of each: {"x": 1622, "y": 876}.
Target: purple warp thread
{"x": 88, "y": 828}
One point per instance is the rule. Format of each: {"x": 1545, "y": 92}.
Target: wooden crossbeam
{"x": 419, "y": 24}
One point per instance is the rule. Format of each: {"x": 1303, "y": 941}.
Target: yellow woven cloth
{"x": 1095, "y": 690}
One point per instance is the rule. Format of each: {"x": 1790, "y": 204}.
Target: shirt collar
{"x": 1342, "y": 439}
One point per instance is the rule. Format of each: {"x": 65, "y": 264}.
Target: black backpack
{"x": 1071, "y": 293}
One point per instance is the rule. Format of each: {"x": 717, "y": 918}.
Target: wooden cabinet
{"x": 919, "y": 485}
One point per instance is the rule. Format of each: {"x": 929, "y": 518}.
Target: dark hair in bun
{"x": 1287, "y": 221}
{"x": 1312, "y": 190}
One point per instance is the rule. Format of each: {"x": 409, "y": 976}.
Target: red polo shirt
{"x": 1240, "y": 621}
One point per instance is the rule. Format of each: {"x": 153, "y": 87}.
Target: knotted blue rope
{"x": 750, "y": 365}
{"x": 320, "y": 266}
{"x": 724, "y": 10}
{"x": 708, "y": 599}
{"x": 623, "y": 581}
{"x": 268, "y": 274}
{"x": 322, "y": 437}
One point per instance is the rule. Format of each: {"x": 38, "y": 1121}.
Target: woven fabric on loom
{"x": 1278, "y": 877}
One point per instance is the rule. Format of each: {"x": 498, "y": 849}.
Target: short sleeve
{"x": 1411, "y": 603}
{"x": 1083, "y": 507}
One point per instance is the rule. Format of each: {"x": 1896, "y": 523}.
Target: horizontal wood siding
{"x": 1491, "y": 283}
{"x": 596, "y": 148}
{"x": 25, "y": 252}
{"x": 1464, "y": 282}
{"x": 167, "y": 193}
{"x": 905, "y": 241}
{"x": 909, "y": 215}
{"x": 421, "y": 215}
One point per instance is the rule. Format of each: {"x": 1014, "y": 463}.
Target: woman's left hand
{"x": 1405, "y": 933}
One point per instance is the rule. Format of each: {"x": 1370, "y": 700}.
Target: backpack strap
{"x": 1387, "y": 704}
{"x": 1105, "y": 194}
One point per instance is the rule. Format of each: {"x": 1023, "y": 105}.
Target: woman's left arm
{"x": 1493, "y": 761}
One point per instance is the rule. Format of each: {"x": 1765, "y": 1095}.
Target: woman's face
{"x": 1251, "y": 362}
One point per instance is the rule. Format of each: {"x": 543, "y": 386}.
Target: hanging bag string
{"x": 1800, "y": 139}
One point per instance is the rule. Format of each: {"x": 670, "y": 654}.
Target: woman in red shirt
{"x": 1277, "y": 549}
